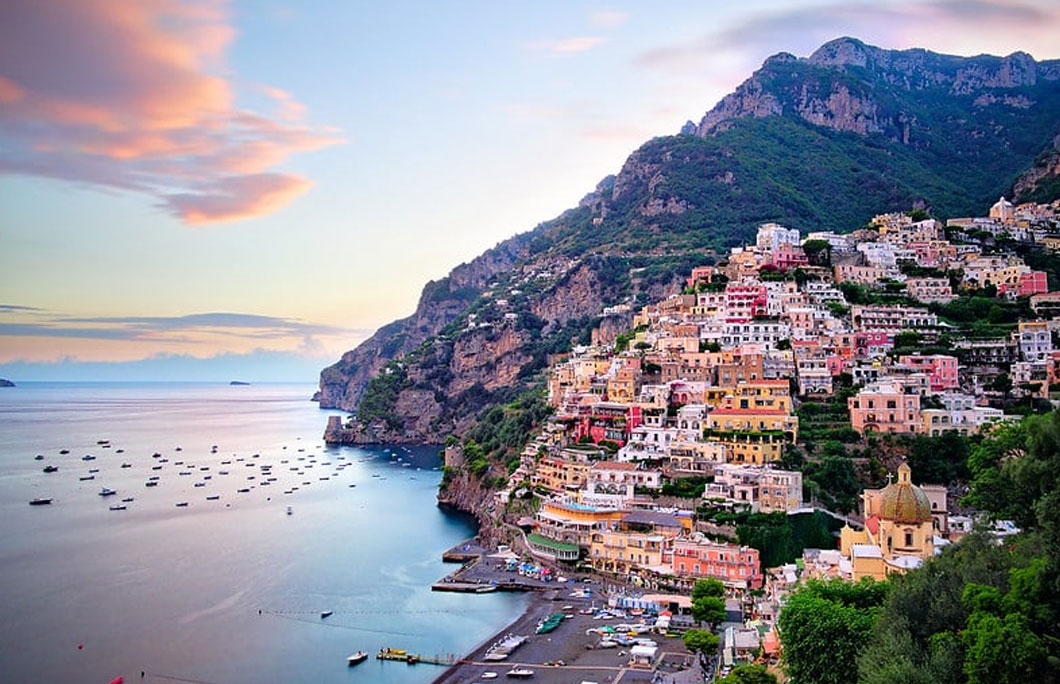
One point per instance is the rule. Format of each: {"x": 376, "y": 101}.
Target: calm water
{"x": 176, "y": 591}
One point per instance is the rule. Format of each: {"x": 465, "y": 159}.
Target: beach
{"x": 568, "y": 644}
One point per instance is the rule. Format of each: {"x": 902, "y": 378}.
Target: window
{"x": 908, "y": 538}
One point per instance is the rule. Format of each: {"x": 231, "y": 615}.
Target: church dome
{"x": 904, "y": 502}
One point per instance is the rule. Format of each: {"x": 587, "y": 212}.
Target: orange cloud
{"x": 238, "y": 197}
{"x": 128, "y": 95}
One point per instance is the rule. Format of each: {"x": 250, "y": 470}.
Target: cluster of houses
{"x": 706, "y": 382}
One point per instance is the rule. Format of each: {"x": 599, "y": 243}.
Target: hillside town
{"x": 698, "y": 416}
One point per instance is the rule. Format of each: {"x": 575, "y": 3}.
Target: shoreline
{"x": 530, "y": 616}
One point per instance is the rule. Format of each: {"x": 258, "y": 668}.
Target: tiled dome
{"x": 903, "y": 501}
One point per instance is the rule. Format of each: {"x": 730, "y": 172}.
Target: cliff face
{"x": 849, "y": 86}
{"x": 817, "y": 143}
{"x": 342, "y": 384}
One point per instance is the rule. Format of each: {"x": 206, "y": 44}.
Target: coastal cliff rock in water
{"x": 817, "y": 143}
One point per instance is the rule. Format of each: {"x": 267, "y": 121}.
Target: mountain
{"x": 817, "y": 143}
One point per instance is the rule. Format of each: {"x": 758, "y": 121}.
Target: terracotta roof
{"x": 614, "y": 465}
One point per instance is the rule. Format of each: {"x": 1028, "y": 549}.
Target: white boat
{"x": 520, "y": 673}
{"x": 107, "y": 491}
{"x": 118, "y": 507}
{"x": 357, "y": 658}
{"x": 326, "y": 613}
{"x": 503, "y": 648}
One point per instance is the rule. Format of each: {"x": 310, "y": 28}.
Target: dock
{"x": 403, "y": 656}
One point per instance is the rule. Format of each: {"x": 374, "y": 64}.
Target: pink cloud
{"x": 237, "y": 197}
{"x": 136, "y": 96}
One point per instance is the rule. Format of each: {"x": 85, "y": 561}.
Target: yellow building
{"x": 559, "y": 475}
{"x": 620, "y": 551}
{"x": 573, "y": 523}
{"x": 898, "y": 533}
{"x": 753, "y": 420}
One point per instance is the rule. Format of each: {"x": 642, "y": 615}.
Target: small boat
{"x": 326, "y": 613}
{"x": 103, "y": 441}
{"x": 93, "y": 470}
{"x": 520, "y": 673}
{"x": 119, "y": 507}
{"x": 178, "y": 449}
{"x": 357, "y": 658}
{"x": 153, "y": 478}
{"x": 38, "y": 457}
{"x": 242, "y": 491}
{"x": 64, "y": 451}
{"x": 213, "y": 497}
{"x": 290, "y": 511}
{"x": 88, "y": 457}
{"x": 127, "y": 499}
{"x": 51, "y": 468}
{"x": 126, "y": 465}
{"x": 182, "y": 504}
{"x": 200, "y": 484}
{"x": 85, "y": 478}
{"x": 151, "y": 483}
{"x": 158, "y": 467}
{"x": 40, "y": 501}
{"x": 107, "y": 491}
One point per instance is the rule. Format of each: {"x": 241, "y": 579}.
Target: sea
{"x": 228, "y": 590}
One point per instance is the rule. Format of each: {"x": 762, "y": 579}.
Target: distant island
{"x": 238, "y": 383}
{"x": 6, "y": 383}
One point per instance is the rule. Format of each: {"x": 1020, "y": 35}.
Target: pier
{"x": 401, "y": 655}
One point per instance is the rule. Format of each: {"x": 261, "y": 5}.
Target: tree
{"x": 708, "y": 587}
{"x": 709, "y": 609}
{"x": 748, "y": 674}
{"x": 825, "y": 625}
{"x": 819, "y": 252}
{"x": 837, "y": 483}
{"x": 701, "y": 642}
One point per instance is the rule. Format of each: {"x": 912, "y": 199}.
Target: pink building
{"x": 940, "y": 369}
{"x": 734, "y": 565}
{"x": 744, "y": 302}
{"x": 1032, "y": 283}
{"x": 885, "y": 407}
{"x": 787, "y": 256}
{"x": 607, "y": 420}
{"x": 872, "y": 343}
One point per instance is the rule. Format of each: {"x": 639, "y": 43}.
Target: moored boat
{"x": 51, "y": 468}
{"x": 40, "y": 501}
{"x": 357, "y": 658}
{"x": 520, "y": 673}
{"x": 107, "y": 491}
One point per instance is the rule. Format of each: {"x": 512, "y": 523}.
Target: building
{"x": 899, "y": 530}
{"x": 763, "y": 490}
{"x": 940, "y": 369}
{"x": 930, "y": 290}
{"x": 1034, "y": 339}
{"x": 886, "y": 406}
{"x": 736, "y": 566}
{"x": 772, "y": 235}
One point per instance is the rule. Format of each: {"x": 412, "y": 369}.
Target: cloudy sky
{"x": 240, "y": 181}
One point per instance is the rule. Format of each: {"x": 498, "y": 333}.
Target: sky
{"x": 233, "y": 186}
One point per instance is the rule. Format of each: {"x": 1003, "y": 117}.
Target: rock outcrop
{"x": 842, "y": 86}
{"x": 6, "y": 383}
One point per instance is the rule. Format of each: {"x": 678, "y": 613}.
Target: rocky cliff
{"x": 846, "y": 85}
{"x": 817, "y": 143}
